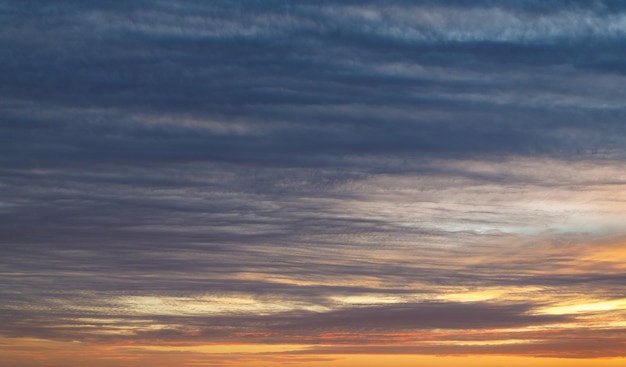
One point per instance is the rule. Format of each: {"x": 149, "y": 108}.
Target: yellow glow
{"x": 145, "y": 305}
{"x": 586, "y": 307}
{"x": 464, "y": 295}
{"x": 471, "y": 296}
{"x": 367, "y": 300}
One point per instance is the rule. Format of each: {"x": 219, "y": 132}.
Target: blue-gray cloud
{"x": 309, "y": 79}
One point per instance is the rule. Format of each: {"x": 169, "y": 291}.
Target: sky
{"x": 312, "y": 183}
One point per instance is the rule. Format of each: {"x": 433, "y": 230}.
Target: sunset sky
{"x": 260, "y": 183}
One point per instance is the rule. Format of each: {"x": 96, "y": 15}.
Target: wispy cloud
{"x": 413, "y": 177}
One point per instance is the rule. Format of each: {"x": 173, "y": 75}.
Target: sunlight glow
{"x": 586, "y": 307}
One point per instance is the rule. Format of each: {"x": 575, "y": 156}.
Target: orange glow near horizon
{"x": 42, "y": 353}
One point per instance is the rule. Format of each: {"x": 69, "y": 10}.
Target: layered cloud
{"x": 325, "y": 178}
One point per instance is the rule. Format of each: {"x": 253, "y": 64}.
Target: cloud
{"x": 310, "y": 168}
{"x": 307, "y": 81}
{"x": 209, "y": 320}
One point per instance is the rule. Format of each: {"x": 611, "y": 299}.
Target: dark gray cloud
{"x": 366, "y": 323}
{"x": 304, "y": 79}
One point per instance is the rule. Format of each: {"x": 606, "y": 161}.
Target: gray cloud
{"x": 295, "y": 66}
{"x": 366, "y": 323}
